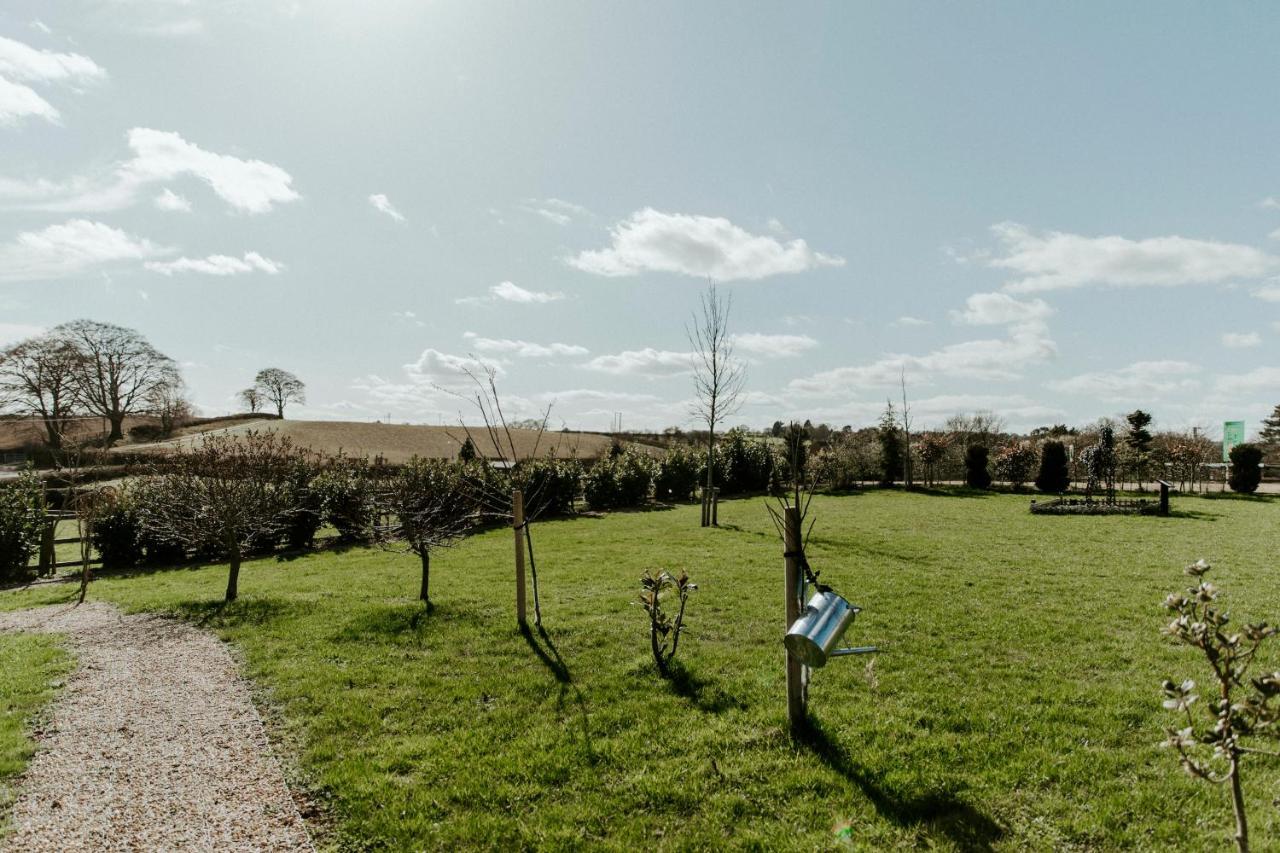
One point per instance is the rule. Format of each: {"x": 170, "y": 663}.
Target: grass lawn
{"x": 30, "y": 667}
{"x": 1016, "y": 704}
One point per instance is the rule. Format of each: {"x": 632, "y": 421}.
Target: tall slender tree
{"x": 718, "y": 377}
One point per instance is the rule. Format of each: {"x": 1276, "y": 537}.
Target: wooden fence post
{"x": 795, "y": 675}
{"x": 517, "y": 522}
{"x": 48, "y": 553}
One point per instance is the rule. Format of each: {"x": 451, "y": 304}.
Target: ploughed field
{"x": 1016, "y": 703}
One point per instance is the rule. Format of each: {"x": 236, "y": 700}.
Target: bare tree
{"x": 252, "y": 398}
{"x": 116, "y": 371}
{"x": 280, "y": 387}
{"x": 38, "y": 378}
{"x": 168, "y": 401}
{"x": 718, "y": 377}
{"x": 226, "y": 494}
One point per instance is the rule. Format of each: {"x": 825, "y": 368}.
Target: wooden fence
{"x": 47, "y": 558}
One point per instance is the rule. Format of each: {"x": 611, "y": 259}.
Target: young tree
{"x": 718, "y": 377}
{"x": 933, "y": 448}
{"x": 226, "y": 495}
{"x": 116, "y": 370}
{"x": 906, "y": 432}
{"x": 1138, "y": 440}
{"x": 1015, "y": 464}
{"x": 431, "y": 509}
{"x": 252, "y": 398}
{"x": 279, "y": 387}
{"x": 38, "y": 379}
{"x": 890, "y": 446}
{"x": 976, "y": 475}
{"x": 1054, "y": 476}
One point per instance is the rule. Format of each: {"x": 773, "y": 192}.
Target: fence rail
{"x": 47, "y": 562}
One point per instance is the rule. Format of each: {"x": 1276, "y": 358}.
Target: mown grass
{"x": 1016, "y": 704}
{"x": 30, "y": 671}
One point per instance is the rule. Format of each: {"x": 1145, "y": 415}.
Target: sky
{"x": 1058, "y": 212}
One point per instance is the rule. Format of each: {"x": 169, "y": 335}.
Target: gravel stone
{"x": 153, "y": 744}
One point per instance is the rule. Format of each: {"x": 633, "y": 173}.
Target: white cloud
{"x": 382, "y": 204}
{"x": 1268, "y": 293}
{"x": 508, "y": 292}
{"x": 523, "y": 349}
{"x": 250, "y": 186}
{"x": 18, "y": 101}
{"x": 988, "y": 359}
{"x": 40, "y": 26}
{"x": 19, "y": 61}
{"x": 1265, "y": 379}
{"x": 1241, "y": 340}
{"x": 73, "y": 247}
{"x": 773, "y": 346}
{"x": 435, "y": 367}
{"x": 1270, "y": 202}
{"x": 702, "y": 246}
{"x": 1140, "y": 380}
{"x": 220, "y": 265}
{"x": 910, "y": 321}
{"x": 555, "y": 210}
{"x": 171, "y": 201}
{"x": 646, "y": 362}
{"x": 1055, "y": 260}
{"x": 999, "y": 309}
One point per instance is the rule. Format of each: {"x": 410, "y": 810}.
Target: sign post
{"x": 1232, "y": 434}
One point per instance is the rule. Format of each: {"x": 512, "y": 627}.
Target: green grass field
{"x": 1016, "y": 704}
{"x": 30, "y": 669}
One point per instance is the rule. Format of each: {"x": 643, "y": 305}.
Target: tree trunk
{"x": 425, "y": 594}
{"x": 233, "y": 577}
{"x": 117, "y": 430}
{"x": 711, "y": 467}
{"x": 280, "y": 409}
{"x": 1237, "y": 803}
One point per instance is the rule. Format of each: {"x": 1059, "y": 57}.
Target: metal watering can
{"x": 815, "y": 636}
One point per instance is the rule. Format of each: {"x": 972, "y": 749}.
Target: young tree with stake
{"x": 718, "y": 377}
{"x": 431, "y": 508}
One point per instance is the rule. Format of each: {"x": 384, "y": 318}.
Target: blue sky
{"x": 1055, "y": 211}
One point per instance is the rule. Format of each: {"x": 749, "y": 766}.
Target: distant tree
{"x": 890, "y": 446}
{"x": 978, "y": 428}
{"x": 252, "y": 398}
{"x": 1245, "y": 472}
{"x": 976, "y": 475}
{"x": 778, "y": 427}
{"x": 796, "y": 439}
{"x": 429, "y": 502}
{"x": 1270, "y": 433}
{"x": 38, "y": 379}
{"x": 168, "y": 401}
{"x": 467, "y": 452}
{"x": 117, "y": 370}
{"x": 932, "y": 448}
{"x": 226, "y": 495}
{"x": 906, "y": 433}
{"x": 1054, "y": 476}
{"x": 1138, "y": 437}
{"x": 1100, "y": 462}
{"x": 718, "y": 377}
{"x": 280, "y": 387}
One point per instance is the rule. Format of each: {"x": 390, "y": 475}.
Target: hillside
{"x": 397, "y": 443}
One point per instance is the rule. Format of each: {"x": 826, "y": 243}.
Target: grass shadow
{"x": 706, "y": 695}
{"x": 230, "y": 614}
{"x": 547, "y": 652}
{"x": 935, "y": 811}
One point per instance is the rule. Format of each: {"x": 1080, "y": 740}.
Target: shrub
{"x": 1015, "y": 464}
{"x": 149, "y": 498}
{"x": 622, "y": 481}
{"x": 677, "y": 476}
{"x": 347, "y": 499}
{"x": 1053, "y": 476}
{"x": 1245, "y": 474}
{"x": 551, "y": 486}
{"x": 890, "y": 437}
{"x": 306, "y": 507}
{"x": 976, "y": 474}
{"x": 21, "y": 516}
{"x": 117, "y": 529}
{"x": 429, "y": 500}
{"x": 749, "y": 465}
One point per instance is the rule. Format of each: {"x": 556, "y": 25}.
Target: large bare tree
{"x": 280, "y": 387}
{"x": 117, "y": 370}
{"x": 718, "y": 377}
{"x": 38, "y": 379}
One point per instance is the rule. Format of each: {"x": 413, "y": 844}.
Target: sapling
{"x": 664, "y": 632}
{"x": 1211, "y": 745}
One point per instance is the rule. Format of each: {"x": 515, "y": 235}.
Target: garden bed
{"x": 1089, "y": 506}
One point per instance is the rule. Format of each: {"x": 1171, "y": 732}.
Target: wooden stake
{"x": 517, "y": 522}
{"x": 795, "y": 675}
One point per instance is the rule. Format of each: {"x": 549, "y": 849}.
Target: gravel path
{"x": 154, "y": 744}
